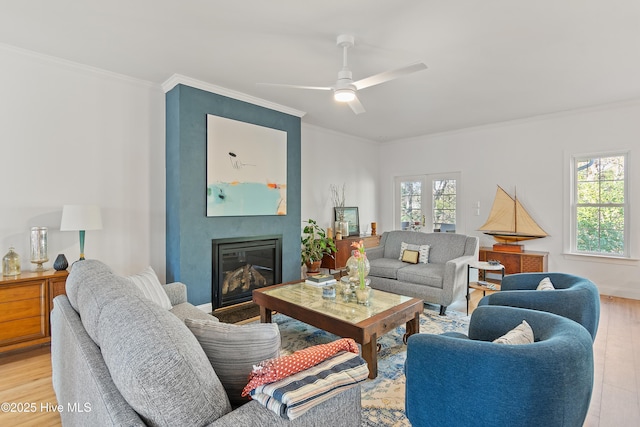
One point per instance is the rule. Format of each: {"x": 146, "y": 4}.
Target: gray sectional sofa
{"x": 119, "y": 359}
{"x": 439, "y": 281}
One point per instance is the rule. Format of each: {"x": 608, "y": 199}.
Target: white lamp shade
{"x": 80, "y": 217}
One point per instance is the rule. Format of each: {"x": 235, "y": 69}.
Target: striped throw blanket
{"x": 272, "y": 370}
{"x": 292, "y": 396}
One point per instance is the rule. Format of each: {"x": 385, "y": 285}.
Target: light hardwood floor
{"x": 25, "y": 377}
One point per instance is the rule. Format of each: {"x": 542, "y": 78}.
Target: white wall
{"x": 333, "y": 158}
{"x": 74, "y": 135}
{"x": 530, "y": 156}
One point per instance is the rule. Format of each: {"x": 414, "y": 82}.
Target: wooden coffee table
{"x": 343, "y": 317}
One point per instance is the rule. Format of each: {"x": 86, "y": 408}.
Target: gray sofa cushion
{"x": 443, "y": 246}
{"x": 446, "y": 246}
{"x": 385, "y": 267}
{"x": 172, "y": 385}
{"x": 423, "y": 274}
{"x": 187, "y": 310}
{"x": 91, "y": 286}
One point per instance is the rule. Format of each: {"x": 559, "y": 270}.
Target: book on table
{"x": 320, "y": 284}
{"x": 321, "y": 278}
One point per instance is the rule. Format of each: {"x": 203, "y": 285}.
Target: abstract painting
{"x": 246, "y": 169}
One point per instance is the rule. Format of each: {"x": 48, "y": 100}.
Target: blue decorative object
{"x": 60, "y": 263}
{"x": 329, "y": 292}
{"x": 458, "y": 380}
{"x": 575, "y": 298}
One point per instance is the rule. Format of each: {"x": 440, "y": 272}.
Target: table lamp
{"x": 81, "y": 218}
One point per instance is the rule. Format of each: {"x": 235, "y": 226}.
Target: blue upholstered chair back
{"x": 455, "y": 380}
{"x": 575, "y": 297}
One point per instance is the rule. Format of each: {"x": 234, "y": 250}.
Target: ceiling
{"x": 488, "y": 61}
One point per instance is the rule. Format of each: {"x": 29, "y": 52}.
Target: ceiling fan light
{"x": 344, "y": 95}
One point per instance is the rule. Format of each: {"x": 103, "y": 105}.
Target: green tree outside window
{"x": 600, "y": 205}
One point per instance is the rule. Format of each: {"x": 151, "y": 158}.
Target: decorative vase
{"x": 11, "y": 263}
{"x": 344, "y": 287}
{"x": 342, "y": 227}
{"x": 363, "y": 296}
{"x": 39, "y": 249}
{"x": 329, "y": 292}
{"x": 353, "y": 268}
{"x": 60, "y": 263}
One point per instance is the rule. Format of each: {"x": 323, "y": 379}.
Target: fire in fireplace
{"x": 240, "y": 265}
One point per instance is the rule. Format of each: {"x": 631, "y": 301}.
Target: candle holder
{"x": 11, "y": 263}
{"x": 39, "y": 247}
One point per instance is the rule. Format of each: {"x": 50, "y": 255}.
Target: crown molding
{"x": 88, "y": 69}
{"x": 523, "y": 120}
{"x": 177, "y": 79}
{"x": 317, "y": 128}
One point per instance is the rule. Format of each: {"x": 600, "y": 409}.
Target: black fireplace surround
{"x": 242, "y": 264}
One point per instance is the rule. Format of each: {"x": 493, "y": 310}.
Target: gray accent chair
{"x": 442, "y": 280}
{"x": 126, "y": 361}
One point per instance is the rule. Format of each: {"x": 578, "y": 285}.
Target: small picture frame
{"x": 352, "y": 217}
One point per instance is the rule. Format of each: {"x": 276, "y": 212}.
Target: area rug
{"x": 382, "y": 397}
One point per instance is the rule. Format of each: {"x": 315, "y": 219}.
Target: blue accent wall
{"x": 189, "y": 230}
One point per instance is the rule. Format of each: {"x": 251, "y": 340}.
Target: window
{"x": 599, "y": 205}
{"x": 427, "y": 199}
{"x": 411, "y": 210}
{"x": 444, "y": 204}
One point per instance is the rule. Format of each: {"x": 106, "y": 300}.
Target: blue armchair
{"x": 575, "y": 297}
{"x": 455, "y": 380}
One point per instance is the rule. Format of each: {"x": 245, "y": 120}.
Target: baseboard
{"x": 207, "y": 308}
{"x": 619, "y": 292}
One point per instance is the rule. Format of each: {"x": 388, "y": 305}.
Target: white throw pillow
{"x": 234, "y": 349}
{"x": 422, "y": 249}
{"x": 147, "y": 281}
{"x": 545, "y": 285}
{"x": 521, "y": 334}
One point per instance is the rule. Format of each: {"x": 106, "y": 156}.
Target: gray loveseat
{"x": 119, "y": 359}
{"x": 440, "y": 281}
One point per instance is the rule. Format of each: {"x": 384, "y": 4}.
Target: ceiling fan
{"x": 345, "y": 88}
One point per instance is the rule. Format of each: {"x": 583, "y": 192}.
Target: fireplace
{"x": 240, "y": 265}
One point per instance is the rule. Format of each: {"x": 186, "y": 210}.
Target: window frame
{"x": 573, "y": 204}
{"x": 426, "y": 202}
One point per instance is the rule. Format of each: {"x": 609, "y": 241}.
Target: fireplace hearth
{"x": 240, "y": 265}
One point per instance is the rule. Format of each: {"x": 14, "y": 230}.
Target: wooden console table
{"x": 344, "y": 251}
{"x": 26, "y": 302}
{"x": 517, "y": 262}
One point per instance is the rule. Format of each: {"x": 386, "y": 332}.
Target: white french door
{"x": 427, "y": 203}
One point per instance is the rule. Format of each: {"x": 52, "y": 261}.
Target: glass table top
{"x": 340, "y": 307}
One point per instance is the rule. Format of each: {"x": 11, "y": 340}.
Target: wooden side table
{"x": 482, "y": 285}
{"x": 25, "y": 307}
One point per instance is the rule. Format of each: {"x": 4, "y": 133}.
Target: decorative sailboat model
{"x": 509, "y": 223}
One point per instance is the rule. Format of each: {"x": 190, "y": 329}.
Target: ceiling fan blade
{"x": 296, "y": 86}
{"x": 356, "y": 106}
{"x": 389, "y": 75}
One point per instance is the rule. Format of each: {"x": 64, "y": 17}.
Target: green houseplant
{"x": 315, "y": 244}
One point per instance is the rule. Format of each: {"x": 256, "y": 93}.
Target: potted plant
{"x": 315, "y": 244}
